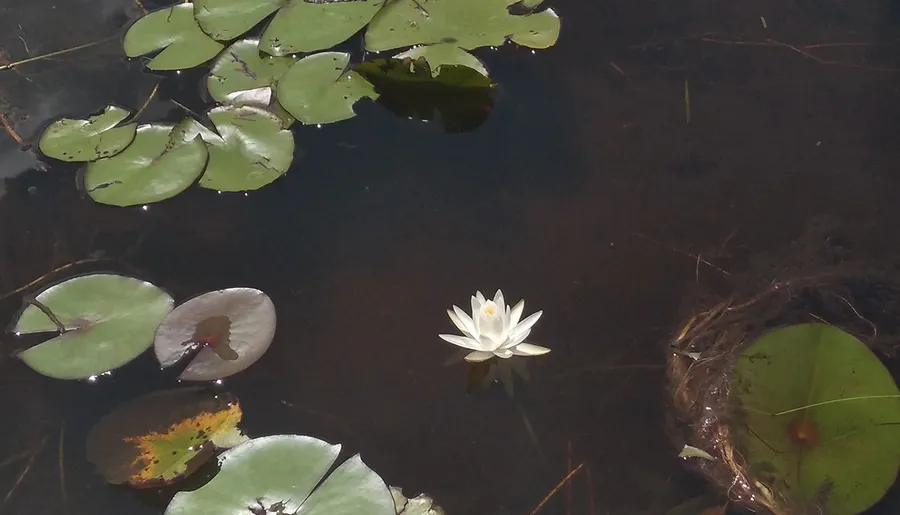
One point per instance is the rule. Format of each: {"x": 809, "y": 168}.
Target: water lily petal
{"x": 503, "y": 353}
{"x": 498, "y": 299}
{"x": 463, "y": 321}
{"x": 512, "y": 342}
{"x": 479, "y": 355}
{"x": 524, "y": 325}
{"x": 516, "y": 314}
{"x": 529, "y": 349}
{"x": 490, "y": 324}
{"x": 461, "y": 341}
{"x": 477, "y": 301}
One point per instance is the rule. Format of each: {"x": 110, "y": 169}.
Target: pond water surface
{"x": 589, "y": 191}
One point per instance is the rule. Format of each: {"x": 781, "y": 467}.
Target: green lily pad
{"x": 299, "y": 26}
{"x": 241, "y": 68}
{"x": 439, "y": 78}
{"x": 444, "y": 58}
{"x": 467, "y": 23}
{"x": 443, "y": 65}
{"x": 796, "y": 433}
{"x": 163, "y": 437}
{"x": 252, "y": 148}
{"x": 319, "y": 89}
{"x": 284, "y": 474}
{"x": 109, "y": 321}
{"x": 174, "y": 31}
{"x": 86, "y": 140}
{"x": 418, "y": 505}
{"x": 156, "y": 166}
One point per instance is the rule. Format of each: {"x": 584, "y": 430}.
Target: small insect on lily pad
{"x": 252, "y": 148}
{"x": 163, "y": 437}
{"x": 86, "y": 140}
{"x": 174, "y": 31}
{"x": 817, "y": 418}
{"x": 156, "y": 166}
{"x": 319, "y": 89}
{"x": 232, "y": 327}
{"x": 108, "y": 319}
{"x": 286, "y": 474}
{"x": 467, "y": 23}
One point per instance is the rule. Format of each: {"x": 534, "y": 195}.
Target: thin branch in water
{"x": 44, "y": 309}
{"x": 679, "y": 251}
{"x": 799, "y": 50}
{"x": 569, "y": 484}
{"x": 14, "y": 64}
{"x": 10, "y": 130}
{"x": 14, "y": 458}
{"x": 146, "y": 102}
{"x": 592, "y": 504}
{"x": 556, "y": 488}
{"x": 140, "y": 6}
{"x": 62, "y": 468}
{"x": 24, "y": 471}
{"x": 531, "y": 434}
{"x": 48, "y": 274}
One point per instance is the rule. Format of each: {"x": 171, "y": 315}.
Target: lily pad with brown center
{"x": 232, "y": 328}
{"x": 163, "y": 437}
{"x": 817, "y": 418}
{"x": 106, "y": 320}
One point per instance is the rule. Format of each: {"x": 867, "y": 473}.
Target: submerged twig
{"x": 62, "y": 468}
{"x": 14, "y": 64}
{"x": 146, "y": 102}
{"x": 10, "y": 130}
{"x": 45, "y": 310}
{"x": 556, "y": 488}
{"x": 24, "y": 471}
{"x": 52, "y": 272}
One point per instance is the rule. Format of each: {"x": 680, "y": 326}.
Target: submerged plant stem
{"x": 24, "y": 471}
{"x": 44, "y": 309}
{"x": 48, "y": 274}
{"x": 557, "y": 488}
{"x": 146, "y": 102}
{"x": 9, "y": 129}
{"x": 9, "y": 66}
{"x": 62, "y": 468}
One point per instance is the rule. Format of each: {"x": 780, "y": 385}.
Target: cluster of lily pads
{"x": 104, "y": 321}
{"x": 262, "y": 85}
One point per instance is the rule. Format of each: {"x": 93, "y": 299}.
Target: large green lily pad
{"x": 163, "y": 437}
{"x": 299, "y": 26}
{"x": 86, "y": 140}
{"x": 109, "y": 321}
{"x": 174, "y": 31}
{"x": 252, "y": 148}
{"x": 797, "y": 435}
{"x": 241, "y": 68}
{"x": 467, "y": 23}
{"x": 319, "y": 89}
{"x": 157, "y": 165}
{"x": 282, "y": 474}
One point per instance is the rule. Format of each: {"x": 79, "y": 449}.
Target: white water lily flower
{"x": 493, "y": 329}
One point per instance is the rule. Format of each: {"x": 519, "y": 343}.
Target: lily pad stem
{"x": 44, "y": 309}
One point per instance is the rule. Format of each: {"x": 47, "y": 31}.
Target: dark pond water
{"x": 587, "y": 192}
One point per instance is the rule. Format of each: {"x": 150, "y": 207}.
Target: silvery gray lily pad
{"x": 234, "y": 326}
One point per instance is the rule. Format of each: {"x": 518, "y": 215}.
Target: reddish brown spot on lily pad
{"x": 803, "y": 431}
{"x": 215, "y": 333}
